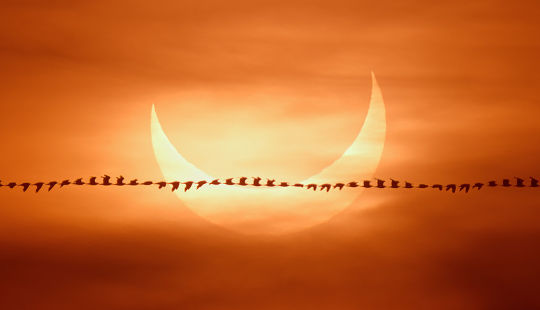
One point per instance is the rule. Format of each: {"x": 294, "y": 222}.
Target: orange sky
{"x": 268, "y": 88}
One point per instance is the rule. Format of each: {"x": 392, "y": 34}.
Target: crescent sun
{"x": 267, "y": 210}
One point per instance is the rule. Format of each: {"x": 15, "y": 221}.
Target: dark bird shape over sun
{"x": 147, "y": 183}
{"x": 12, "y": 185}
{"x": 51, "y": 185}
{"x": 339, "y": 185}
{"x": 451, "y": 187}
{"x": 200, "y": 184}
{"x": 93, "y": 181}
{"x": 284, "y": 184}
{"x": 465, "y": 187}
{"x": 256, "y": 181}
{"x": 395, "y": 184}
{"x": 439, "y": 186}
{"x": 520, "y": 182}
{"x": 215, "y": 182}
{"x": 326, "y": 186}
{"x": 367, "y": 184}
{"x": 229, "y": 181}
{"x": 38, "y": 186}
{"x": 242, "y": 181}
{"x": 506, "y": 183}
{"x": 161, "y": 184}
{"x": 478, "y": 185}
{"x": 133, "y": 182}
{"x": 120, "y": 181}
{"x": 106, "y": 180}
{"x": 314, "y": 186}
{"x": 175, "y": 185}
{"x": 64, "y": 183}
{"x": 534, "y": 182}
{"x": 79, "y": 181}
{"x": 188, "y": 185}
{"x": 25, "y": 186}
{"x": 270, "y": 182}
{"x": 380, "y": 183}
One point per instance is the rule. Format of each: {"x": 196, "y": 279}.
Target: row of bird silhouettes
{"x": 243, "y": 181}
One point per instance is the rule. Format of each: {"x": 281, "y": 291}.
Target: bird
{"x": 38, "y": 185}
{"x": 314, "y": 186}
{"x": 242, "y": 181}
{"x": 284, "y": 184}
{"x": 12, "y": 185}
{"x": 506, "y": 183}
{"x": 200, "y": 184}
{"x": 120, "y": 181}
{"x": 380, "y": 183}
{"x": 147, "y": 183}
{"x": 79, "y": 181}
{"x": 326, "y": 186}
{"x": 439, "y": 186}
{"x": 422, "y": 186}
{"x": 64, "y": 183}
{"x": 270, "y": 182}
{"x": 352, "y": 184}
{"x": 465, "y": 187}
{"x": 256, "y": 181}
{"x": 451, "y": 187}
{"x": 93, "y": 181}
{"x": 366, "y": 184}
{"x": 133, "y": 182}
{"x": 298, "y": 185}
{"x": 51, "y": 185}
{"x": 478, "y": 185}
{"x": 339, "y": 185}
{"x": 408, "y": 185}
{"x": 106, "y": 180}
{"x": 229, "y": 181}
{"x": 25, "y": 186}
{"x": 534, "y": 182}
{"x": 492, "y": 183}
{"x": 520, "y": 182}
{"x": 188, "y": 185}
{"x": 161, "y": 184}
{"x": 215, "y": 182}
{"x": 175, "y": 185}
{"x": 395, "y": 184}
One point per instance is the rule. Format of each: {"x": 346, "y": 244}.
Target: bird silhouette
{"x": 451, "y": 187}
{"x": 200, "y": 184}
{"x": 326, "y": 186}
{"x": 314, "y": 186}
{"x": 79, "y": 181}
{"x": 408, "y": 185}
{"x": 380, "y": 183}
{"x": 188, "y": 185}
{"x": 367, "y": 184}
{"x": 534, "y": 182}
{"x": 147, "y": 183}
{"x": 284, "y": 184}
{"x": 175, "y": 185}
{"x": 465, "y": 187}
{"x": 492, "y": 183}
{"x": 38, "y": 185}
{"x": 161, "y": 184}
{"x": 520, "y": 182}
{"x": 298, "y": 185}
{"x": 256, "y": 181}
{"x": 439, "y": 186}
{"x": 64, "y": 183}
{"x": 421, "y": 186}
{"x": 478, "y": 185}
{"x": 12, "y": 185}
{"x": 133, "y": 182}
{"x": 339, "y": 185}
{"x": 229, "y": 181}
{"x": 395, "y": 184}
{"x": 25, "y": 186}
{"x": 93, "y": 181}
{"x": 352, "y": 184}
{"x": 51, "y": 185}
{"x": 270, "y": 182}
{"x": 215, "y": 182}
{"x": 242, "y": 181}
{"x": 120, "y": 181}
{"x": 106, "y": 180}
{"x": 506, "y": 183}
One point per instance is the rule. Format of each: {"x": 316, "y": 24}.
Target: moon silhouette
{"x": 270, "y": 210}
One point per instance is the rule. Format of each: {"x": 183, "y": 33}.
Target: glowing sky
{"x": 234, "y": 80}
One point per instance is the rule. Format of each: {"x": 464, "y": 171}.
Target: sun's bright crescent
{"x": 270, "y": 210}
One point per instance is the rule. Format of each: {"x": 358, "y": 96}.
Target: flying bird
{"x": 133, "y": 182}
{"x": 339, "y": 185}
{"x": 314, "y": 186}
{"x": 93, "y": 181}
{"x": 380, "y": 183}
{"x": 367, "y": 184}
{"x": 352, "y": 184}
{"x": 284, "y": 184}
{"x": 51, "y": 185}
{"x": 79, "y": 181}
{"x": 256, "y": 181}
{"x": 439, "y": 186}
{"x": 326, "y": 186}
{"x": 242, "y": 181}
{"x": 298, "y": 185}
{"x": 409, "y": 185}
{"x": 395, "y": 184}
{"x": 25, "y": 186}
{"x": 534, "y": 182}
{"x": 175, "y": 185}
{"x": 465, "y": 187}
{"x": 200, "y": 184}
{"x": 419, "y": 186}
{"x": 106, "y": 180}
{"x": 215, "y": 182}
{"x": 120, "y": 181}
{"x": 478, "y": 185}
{"x": 188, "y": 185}
{"x": 147, "y": 183}
{"x": 161, "y": 184}
{"x": 506, "y": 183}
{"x": 12, "y": 185}
{"x": 520, "y": 182}
{"x": 270, "y": 182}
{"x": 492, "y": 183}
{"x": 229, "y": 181}
{"x": 452, "y": 187}
{"x": 64, "y": 183}
{"x": 38, "y": 185}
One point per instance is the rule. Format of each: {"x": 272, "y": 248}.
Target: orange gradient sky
{"x": 268, "y": 88}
